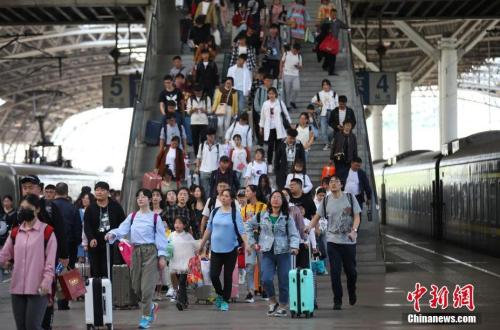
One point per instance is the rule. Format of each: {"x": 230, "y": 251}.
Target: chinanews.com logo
{"x": 462, "y": 299}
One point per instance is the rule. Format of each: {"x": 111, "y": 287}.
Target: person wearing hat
{"x": 288, "y": 151}
{"x": 224, "y": 173}
{"x": 207, "y": 159}
{"x": 49, "y": 214}
{"x": 198, "y": 107}
{"x": 100, "y": 217}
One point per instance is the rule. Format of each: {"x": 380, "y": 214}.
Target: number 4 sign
{"x": 383, "y": 88}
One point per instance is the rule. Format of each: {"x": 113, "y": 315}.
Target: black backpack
{"x": 233, "y": 217}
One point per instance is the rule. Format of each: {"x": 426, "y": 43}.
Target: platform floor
{"x": 381, "y": 298}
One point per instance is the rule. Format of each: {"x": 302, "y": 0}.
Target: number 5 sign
{"x": 116, "y": 91}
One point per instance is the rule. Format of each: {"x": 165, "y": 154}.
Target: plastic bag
{"x": 195, "y": 276}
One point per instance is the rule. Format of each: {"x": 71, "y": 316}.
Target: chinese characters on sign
{"x": 463, "y": 296}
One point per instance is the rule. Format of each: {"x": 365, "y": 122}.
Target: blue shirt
{"x": 223, "y": 237}
{"x": 143, "y": 231}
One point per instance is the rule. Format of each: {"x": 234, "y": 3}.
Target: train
{"x": 11, "y": 174}
{"x": 451, "y": 195}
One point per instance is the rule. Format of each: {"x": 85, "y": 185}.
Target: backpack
{"x": 46, "y": 235}
{"x": 233, "y": 217}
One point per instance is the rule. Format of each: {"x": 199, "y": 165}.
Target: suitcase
{"x": 84, "y": 269}
{"x": 99, "y": 300}
{"x": 151, "y": 180}
{"x": 152, "y": 134}
{"x": 123, "y": 295}
{"x": 301, "y": 289}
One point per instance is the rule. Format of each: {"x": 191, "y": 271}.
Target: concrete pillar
{"x": 447, "y": 80}
{"x": 404, "y": 110}
{"x": 377, "y": 145}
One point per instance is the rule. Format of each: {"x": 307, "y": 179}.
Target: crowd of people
{"x": 248, "y": 194}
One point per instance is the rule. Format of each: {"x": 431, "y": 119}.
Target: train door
{"x": 437, "y": 203}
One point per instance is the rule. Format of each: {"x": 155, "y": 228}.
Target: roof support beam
{"x": 480, "y": 36}
{"x": 414, "y": 36}
{"x": 359, "y": 54}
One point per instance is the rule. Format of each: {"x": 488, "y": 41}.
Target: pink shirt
{"x": 33, "y": 265}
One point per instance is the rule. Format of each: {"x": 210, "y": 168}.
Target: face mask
{"x": 25, "y": 215}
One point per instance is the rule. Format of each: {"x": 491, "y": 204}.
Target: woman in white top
{"x": 327, "y": 100}
{"x": 271, "y": 122}
{"x": 198, "y": 106}
{"x": 305, "y": 132}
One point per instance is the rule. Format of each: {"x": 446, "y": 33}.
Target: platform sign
{"x": 377, "y": 88}
{"x": 116, "y": 91}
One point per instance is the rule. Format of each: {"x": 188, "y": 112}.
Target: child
{"x": 147, "y": 234}
{"x": 323, "y": 224}
{"x": 299, "y": 173}
{"x": 239, "y": 157}
{"x": 184, "y": 249}
{"x": 256, "y": 168}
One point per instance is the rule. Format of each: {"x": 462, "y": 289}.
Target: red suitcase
{"x": 151, "y": 180}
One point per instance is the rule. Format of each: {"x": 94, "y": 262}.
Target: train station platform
{"x": 381, "y": 302}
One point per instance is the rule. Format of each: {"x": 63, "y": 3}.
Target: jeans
{"x": 251, "y": 260}
{"x": 199, "y": 133}
{"x": 242, "y": 102}
{"x": 326, "y": 131}
{"x": 223, "y": 123}
{"x": 270, "y": 263}
{"x": 291, "y": 86}
{"x": 187, "y": 128}
{"x": 29, "y": 310}
{"x": 342, "y": 255}
{"x": 205, "y": 181}
{"x": 218, "y": 260}
{"x": 241, "y": 178}
{"x": 271, "y": 145}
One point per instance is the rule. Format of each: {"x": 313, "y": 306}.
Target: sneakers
{"x": 154, "y": 311}
{"x": 249, "y": 298}
{"x": 272, "y": 309}
{"x": 326, "y": 147}
{"x": 264, "y": 296}
{"x": 224, "y": 306}
{"x": 173, "y": 298}
{"x": 281, "y": 312}
{"x": 145, "y": 322}
{"x": 218, "y": 302}
{"x": 170, "y": 292}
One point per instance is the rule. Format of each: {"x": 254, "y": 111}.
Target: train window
{"x": 492, "y": 197}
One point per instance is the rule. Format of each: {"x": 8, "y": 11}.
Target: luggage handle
{"x": 108, "y": 259}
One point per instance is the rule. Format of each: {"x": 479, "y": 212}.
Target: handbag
{"x": 126, "y": 250}
{"x": 222, "y": 107}
{"x": 72, "y": 284}
{"x": 330, "y": 45}
{"x": 195, "y": 276}
{"x": 212, "y": 121}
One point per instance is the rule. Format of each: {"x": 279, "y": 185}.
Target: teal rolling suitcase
{"x": 301, "y": 291}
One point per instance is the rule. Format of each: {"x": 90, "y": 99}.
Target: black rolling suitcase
{"x": 152, "y": 134}
{"x": 123, "y": 295}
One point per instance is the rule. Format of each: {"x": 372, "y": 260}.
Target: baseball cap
{"x": 32, "y": 178}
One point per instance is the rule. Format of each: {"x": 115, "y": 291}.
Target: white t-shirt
{"x": 209, "y": 156}
{"x": 170, "y": 159}
{"x": 291, "y": 60}
{"x": 242, "y": 130}
{"x": 352, "y": 183}
{"x": 255, "y": 170}
{"x": 242, "y": 50}
{"x": 303, "y": 134}
{"x": 198, "y": 117}
{"x": 273, "y": 105}
{"x": 330, "y": 100}
{"x": 239, "y": 159}
{"x": 206, "y": 210}
{"x": 342, "y": 114}
{"x": 204, "y": 7}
